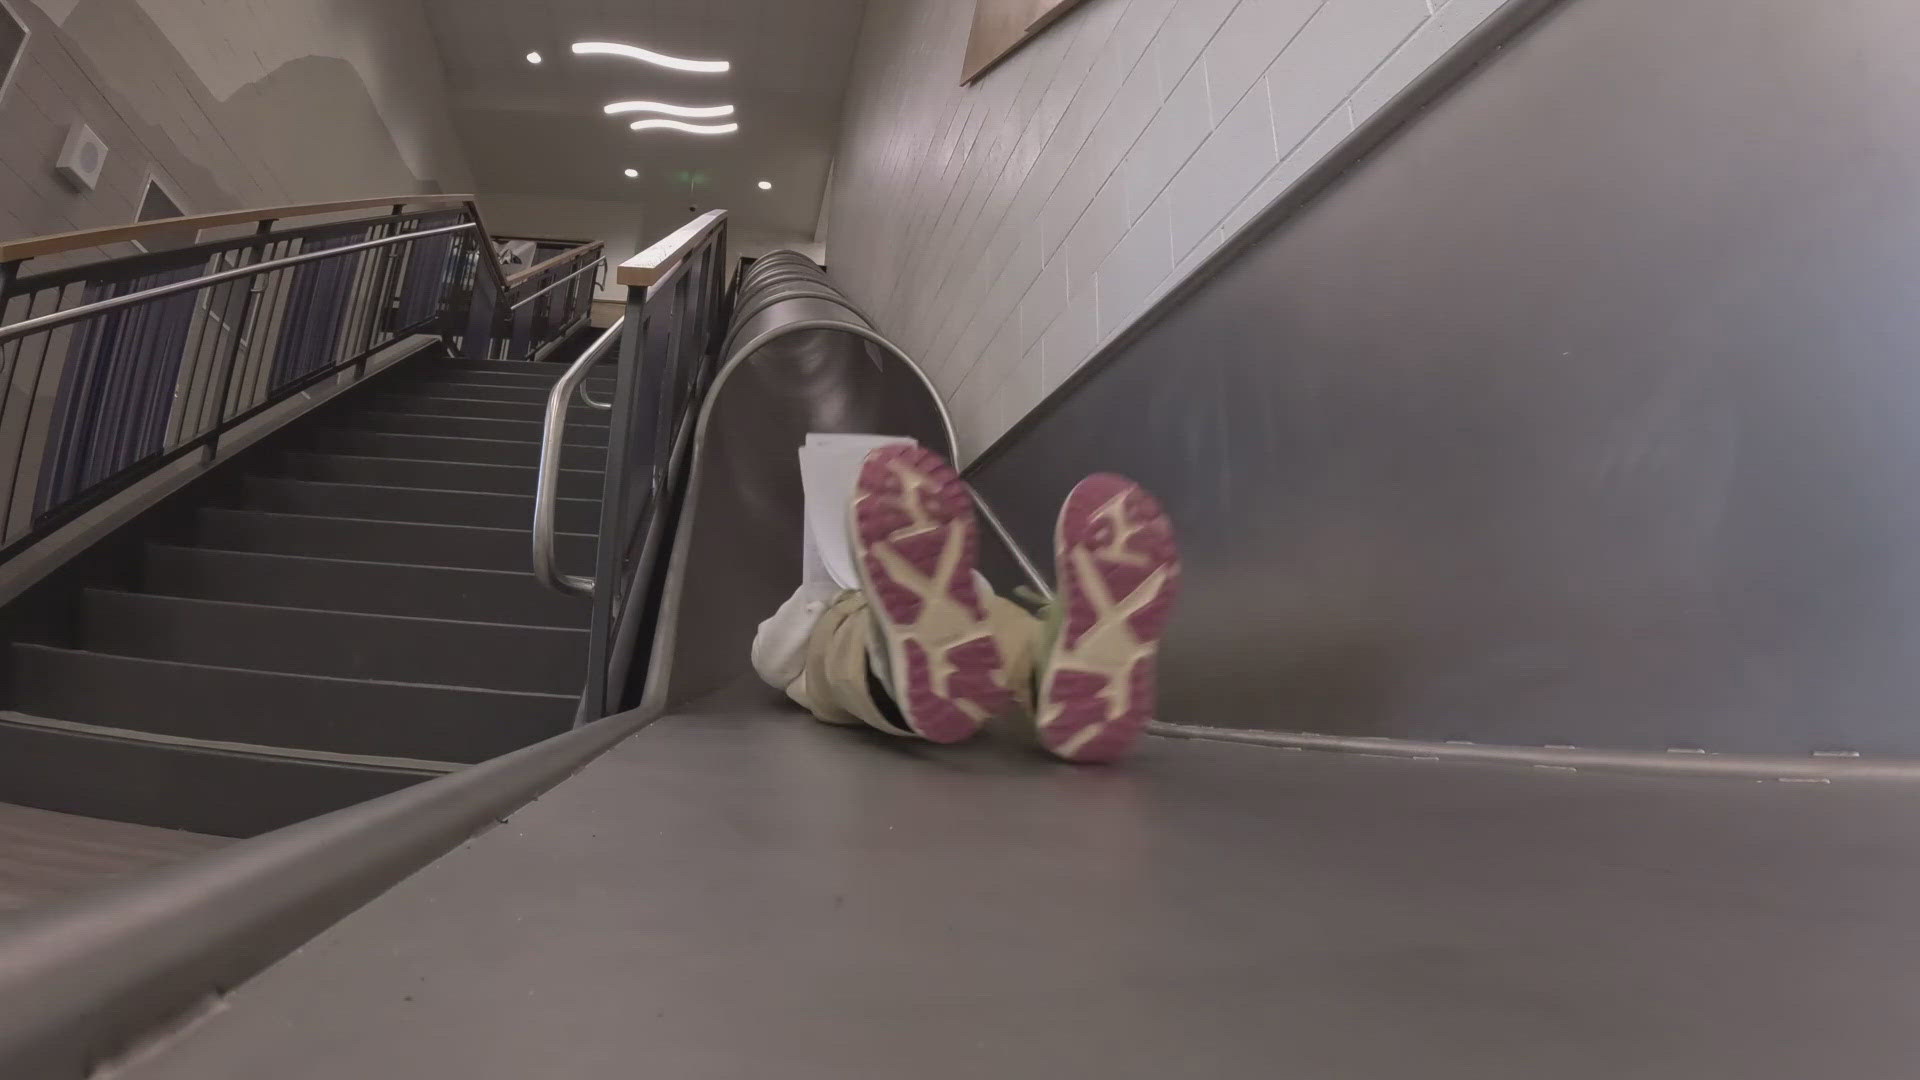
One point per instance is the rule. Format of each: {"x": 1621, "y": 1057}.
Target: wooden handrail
{"x": 42, "y": 246}
{"x": 565, "y": 256}
{"x": 654, "y": 263}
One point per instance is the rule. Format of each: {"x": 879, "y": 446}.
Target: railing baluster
{"x": 116, "y": 367}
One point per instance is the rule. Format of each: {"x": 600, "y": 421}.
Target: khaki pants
{"x": 836, "y": 687}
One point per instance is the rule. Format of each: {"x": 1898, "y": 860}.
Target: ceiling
{"x": 539, "y": 129}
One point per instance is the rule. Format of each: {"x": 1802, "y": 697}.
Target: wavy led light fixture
{"x": 687, "y": 111}
{"x": 681, "y": 125}
{"x": 648, "y": 56}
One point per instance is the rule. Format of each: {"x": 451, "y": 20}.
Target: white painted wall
{"x": 1002, "y": 232}
{"x": 229, "y": 104}
{"x": 232, "y": 44}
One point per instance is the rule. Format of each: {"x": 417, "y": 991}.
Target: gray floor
{"x": 761, "y": 897}
{"x": 44, "y": 855}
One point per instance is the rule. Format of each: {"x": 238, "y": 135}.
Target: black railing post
{"x": 239, "y": 334}
{"x": 386, "y": 298}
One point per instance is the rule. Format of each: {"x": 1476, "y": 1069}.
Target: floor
{"x": 756, "y": 896}
{"x": 44, "y": 855}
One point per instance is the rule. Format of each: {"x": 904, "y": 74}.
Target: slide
{"x": 739, "y": 891}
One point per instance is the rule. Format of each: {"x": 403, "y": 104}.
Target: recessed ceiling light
{"x": 680, "y": 125}
{"x": 634, "y": 52}
{"x": 533, "y": 58}
{"x": 633, "y": 174}
{"x": 766, "y": 185}
{"x": 689, "y": 111}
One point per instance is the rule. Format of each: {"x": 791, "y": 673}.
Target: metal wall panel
{"x": 740, "y": 534}
{"x": 1586, "y": 411}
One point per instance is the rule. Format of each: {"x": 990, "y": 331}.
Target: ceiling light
{"x": 766, "y": 185}
{"x": 632, "y": 52}
{"x": 678, "y": 125}
{"x": 633, "y": 174}
{"x": 533, "y": 58}
{"x": 688, "y": 111}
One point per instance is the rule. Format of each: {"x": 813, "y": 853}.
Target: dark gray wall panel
{"x": 1583, "y": 412}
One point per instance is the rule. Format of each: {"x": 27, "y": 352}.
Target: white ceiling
{"x": 539, "y": 129}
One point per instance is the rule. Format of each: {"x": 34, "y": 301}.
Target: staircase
{"x": 349, "y": 609}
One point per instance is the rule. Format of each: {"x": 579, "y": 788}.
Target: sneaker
{"x": 1118, "y": 569}
{"x": 915, "y": 544}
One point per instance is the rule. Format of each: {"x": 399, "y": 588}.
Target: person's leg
{"x": 1119, "y": 570}
{"x": 838, "y": 685}
{"x": 932, "y": 649}
{"x": 1083, "y": 673}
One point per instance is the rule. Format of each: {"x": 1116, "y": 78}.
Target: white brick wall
{"x": 1002, "y": 232}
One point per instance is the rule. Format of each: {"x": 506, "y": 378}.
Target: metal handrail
{"x": 524, "y": 301}
{"x": 39, "y": 247}
{"x": 552, "y": 440}
{"x": 55, "y": 319}
{"x": 592, "y": 402}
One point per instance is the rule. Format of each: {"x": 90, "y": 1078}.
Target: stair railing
{"x": 676, "y": 293}
{"x": 111, "y": 369}
{"x": 527, "y": 314}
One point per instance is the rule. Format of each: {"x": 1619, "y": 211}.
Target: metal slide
{"x": 737, "y": 891}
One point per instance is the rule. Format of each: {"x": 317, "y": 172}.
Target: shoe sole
{"x": 1119, "y": 571}
{"x": 916, "y": 544}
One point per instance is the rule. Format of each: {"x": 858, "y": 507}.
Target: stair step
{"x": 529, "y": 395}
{"x": 468, "y": 427}
{"x": 577, "y": 415}
{"x": 212, "y": 787}
{"x": 441, "y": 475}
{"x": 311, "y": 712}
{"x": 347, "y": 644}
{"x": 386, "y": 541}
{"x": 510, "y": 367}
{"x": 345, "y": 440}
{"x": 540, "y": 379}
{"x": 377, "y": 588}
{"x": 383, "y": 503}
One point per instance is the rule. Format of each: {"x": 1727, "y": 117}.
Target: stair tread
{"x": 584, "y": 415}
{"x": 365, "y": 761}
{"x": 322, "y": 641}
{"x": 381, "y": 539}
{"x": 471, "y": 437}
{"x": 346, "y": 583}
{"x": 383, "y": 564}
{"x": 379, "y": 521}
{"x": 456, "y": 439}
{"x": 434, "y": 462}
{"x": 334, "y": 612}
{"x": 356, "y": 485}
{"x": 528, "y": 695}
{"x": 431, "y": 461}
{"x": 205, "y": 699}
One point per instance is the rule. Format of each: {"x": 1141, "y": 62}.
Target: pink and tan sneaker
{"x": 1119, "y": 571}
{"x": 915, "y": 545}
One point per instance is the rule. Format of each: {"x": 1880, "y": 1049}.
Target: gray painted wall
{"x": 266, "y": 110}
{"x": 1586, "y": 412}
